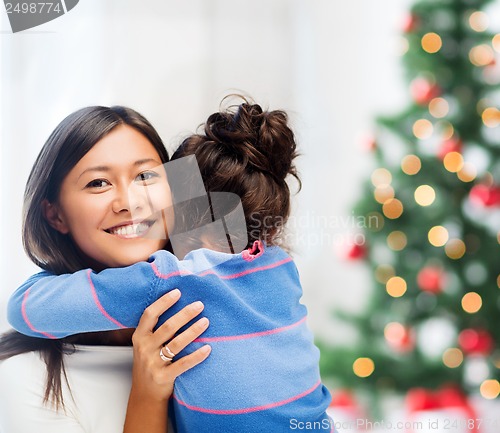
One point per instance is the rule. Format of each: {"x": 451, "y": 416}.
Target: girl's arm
{"x": 55, "y": 306}
{"x": 152, "y": 378}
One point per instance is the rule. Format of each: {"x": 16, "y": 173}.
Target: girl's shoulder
{"x": 204, "y": 259}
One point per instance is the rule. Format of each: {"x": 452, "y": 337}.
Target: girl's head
{"x": 82, "y": 199}
{"x": 249, "y": 152}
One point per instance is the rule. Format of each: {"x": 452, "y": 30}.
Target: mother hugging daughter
{"x": 97, "y": 216}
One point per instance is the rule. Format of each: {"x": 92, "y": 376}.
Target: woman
{"x": 82, "y": 384}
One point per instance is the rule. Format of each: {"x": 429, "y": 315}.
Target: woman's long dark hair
{"x": 44, "y": 245}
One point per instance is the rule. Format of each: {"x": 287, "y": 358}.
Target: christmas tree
{"x": 432, "y": 215}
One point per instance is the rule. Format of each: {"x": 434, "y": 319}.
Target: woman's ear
{"x": 53, "y": 216}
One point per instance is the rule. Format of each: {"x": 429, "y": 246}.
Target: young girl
{"x": 49, "y": 386}
{"x": 262, "y": 374}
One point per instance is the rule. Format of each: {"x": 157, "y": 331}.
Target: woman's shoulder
{"x": 20, "y": 367}
{"x": 22, "y": 381}
{"x": 96, "y": 376}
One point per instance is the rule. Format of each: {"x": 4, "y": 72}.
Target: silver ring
{"x": 170, "y": 354}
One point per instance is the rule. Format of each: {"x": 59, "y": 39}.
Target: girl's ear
{"x": 53, "y": 216}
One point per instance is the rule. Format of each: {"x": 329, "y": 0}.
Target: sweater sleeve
{"x": 56, "y": 306}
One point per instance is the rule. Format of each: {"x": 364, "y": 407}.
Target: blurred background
{"x": 385, "y": 98}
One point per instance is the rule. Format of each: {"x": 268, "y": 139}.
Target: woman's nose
{"x": 129, "y": 199}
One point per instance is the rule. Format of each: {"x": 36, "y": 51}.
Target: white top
{"x": 99, "y": 377}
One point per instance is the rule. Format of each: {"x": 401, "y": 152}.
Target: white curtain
{"x": 332, "y": 65}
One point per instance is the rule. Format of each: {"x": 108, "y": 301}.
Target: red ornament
{"x": 400, "y": 338}
{"x": 431, "y": 279}
{"x": 439, "y": 404}
{"x": 423, "y": 91}
{"x": 410, "y": 23}
{"x": 421, "y": 399}
{"x": 451, "y": 396}
{"x": 352, "y": 249}
{"x": 485, "y": 196}
{"x": 345, "y": 408}
{"x": 475, "y": 342}
{"x": 451, "y": 145}
{"x": 368, "y": 143}
{"x": 343, "y": 398}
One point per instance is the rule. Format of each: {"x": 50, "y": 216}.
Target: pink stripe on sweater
{"x": 248, "y": 271}
{"x": 170, "y": 275}
{"x": 222, "y": 277}
{"x": 27, "y": 321}
{"x": 249, "y": 409}
{"x": 98, "y": 304}
{"x": 252, "y": 335}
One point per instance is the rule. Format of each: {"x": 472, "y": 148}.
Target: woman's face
{"x": 111, "y": 202}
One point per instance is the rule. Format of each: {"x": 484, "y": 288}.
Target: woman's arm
{"x": 55, "y": 306}
{"x": 153, "y": 378}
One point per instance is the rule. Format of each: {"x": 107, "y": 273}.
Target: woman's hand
{"x": 152, "y": 377}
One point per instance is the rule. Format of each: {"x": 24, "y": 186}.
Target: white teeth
{"x": 132, "y": 229}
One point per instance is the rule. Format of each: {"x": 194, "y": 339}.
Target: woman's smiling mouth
{"x": 130, "y": 230}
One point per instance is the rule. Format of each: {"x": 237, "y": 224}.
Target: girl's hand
{"x": 152, "y": 377}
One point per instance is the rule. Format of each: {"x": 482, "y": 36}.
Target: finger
{"x": 194, "y": 331}
{"x": 168, "y": 329}
{"x": 189, "y": 361}
{"x": 151, "y": 314}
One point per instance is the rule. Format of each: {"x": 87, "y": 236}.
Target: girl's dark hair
{"x": 249, "y": 152}
{"x": 44, "y": 245}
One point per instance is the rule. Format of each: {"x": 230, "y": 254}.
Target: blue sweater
{"x": 262, "y": 374}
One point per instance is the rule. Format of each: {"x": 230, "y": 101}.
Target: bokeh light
{"x": 423, "y": 129}
{"x": 472, "y": 302}
{"x": 383, "y": 273}
{"x": 396, "y": 287}
{"x": 425, "y": 195}
{"x": 381, "y": 176}
{"x": 397, "y": 240}
{"x": 467, "y": 173}
{"x": 453, "y": 357}
{"x": 482, "y": 104}
{"x": 395, "y": 333}
{"x": 431, "y": 42}
{"x": 490, "y": 389}
{"x": 496, "y": 42}
{"x": 455, "y": 249}
{"x": 438, "y": 236}
{"x": 439, "y": 107}
{"x": 453, "y": 161}
{"x": 446, "y": 129}
{"x": 481, "y": 55}
{"x": 491, "y": 117}
{"x": 411, "y": 164}
{"x": 403, "y": 46}
{"x": 478, "y": 21}
{"x": 363, "y": 367}
{"x": 383, "y": 193}
{"x": 392, "y": 208}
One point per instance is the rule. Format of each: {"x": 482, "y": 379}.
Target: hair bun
{"x": 261, "y": 140}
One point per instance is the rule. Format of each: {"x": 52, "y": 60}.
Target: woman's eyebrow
{"x": 146, "y": 160}
{"x": 108, "y": 168}
{"x": 96, "y": 168}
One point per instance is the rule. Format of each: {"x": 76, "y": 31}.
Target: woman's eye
{"x": 147, "y": 175}
{"x": 97, "y": 183}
